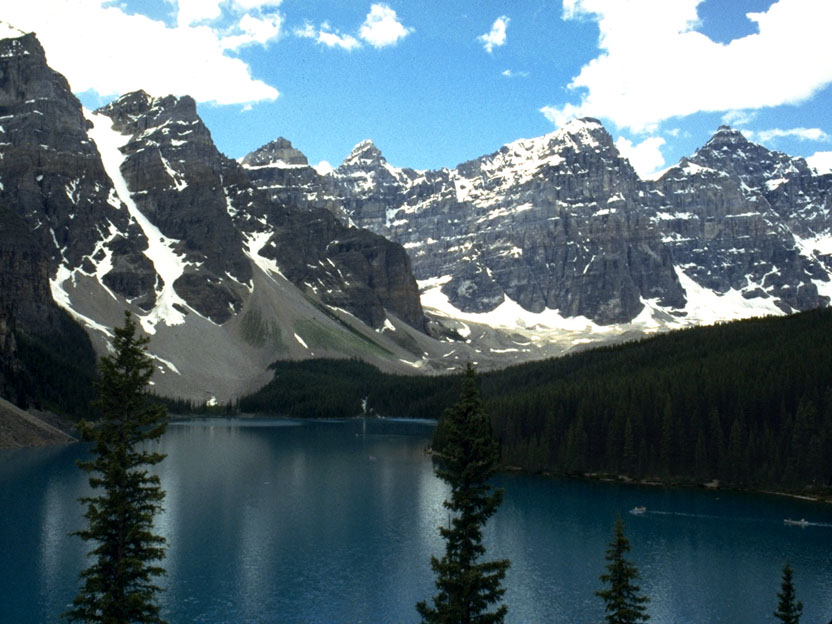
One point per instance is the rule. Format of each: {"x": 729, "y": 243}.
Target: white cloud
{"x": 802, "y": 134}
{"x": 334, "y": 39}
{"x": 738, "y": 118}
{"x": 382, "y": 27}
{"x": 323, "y": 167}
{"x": 307, "y": 31}
{"x": 190, "y": 12}
{"x": 100, "y": 48}
{"x": 250, "y": 5}
{"x": 496, "y": 36}
{"x": 650, "y": 70}
{"x": 822, "y": 161}
{"x": 645, "y": 157}
{"x": 253, "y": 30}
{"x": 508, "y": 73}
{"x": 559, "y": 115}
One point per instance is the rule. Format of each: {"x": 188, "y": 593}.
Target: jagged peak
{"x": 584, "y": 131}
{"x": 579, "y": 124}
{"x": 363, "y": 154}
{"x": 138, "y": 111}
{"x": 727, "y": 134}
{"x": 130, "y": 105}
{"x": 15, "y": 42}
{"x": 277, "y": 152}
{"x": 9, "y": 31}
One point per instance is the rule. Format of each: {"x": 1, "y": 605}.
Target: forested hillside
{"x": 52, "y": 371}
{"x": 748, "y": 403}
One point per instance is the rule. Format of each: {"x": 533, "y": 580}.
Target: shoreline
{"x": 26, "y": 429}
{"x": 824, "y": 498}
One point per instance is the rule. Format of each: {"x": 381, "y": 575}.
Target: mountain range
{"x": 546, "y": 245}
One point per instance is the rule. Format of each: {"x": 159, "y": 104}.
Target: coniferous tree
{"x": 468, "y": 587}
{"x": 624, "y": 603}
{"x": 789, "y": 609}
{"x": 119, "y": 586}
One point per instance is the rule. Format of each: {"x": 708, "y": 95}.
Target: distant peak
{"x": 7, "y": 31}
{"x": 128, "y": 106}
{"x": 589, "y": 123}
{"x": 365, "y": 147}
{"x": 365, "y": 153}
{"x": 362, "y": 145}
{"x": 279, "y": 151}
{"x": 728, "y": 134}
{"x": 19, "y": 43}
{"x": 585, "y": 131}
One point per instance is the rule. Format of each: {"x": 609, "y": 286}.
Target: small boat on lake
{"x": 637, "y": 511}
{"x": 801, "y": 523}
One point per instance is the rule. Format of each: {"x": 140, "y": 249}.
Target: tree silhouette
{"x": 467, "y": 586}
{"x": 624, "y": 603}
{"x": 119, "y": 587}
{"x": 789, "y": 609}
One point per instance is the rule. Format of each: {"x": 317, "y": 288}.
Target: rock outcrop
{"x": 563, "y": 222}
{"x": 52, "y": 176}
{"x": 132, "y": 206}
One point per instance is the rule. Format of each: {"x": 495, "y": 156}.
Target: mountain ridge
{"x": 133, "y": 207}
{"x": 541, "y": 247}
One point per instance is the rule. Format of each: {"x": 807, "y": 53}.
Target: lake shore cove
{"x": 748, "y": 404}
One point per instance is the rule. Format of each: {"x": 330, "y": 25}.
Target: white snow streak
{"x": 254, "y": 243}
{"x": 705, "y": 307}
{"x": 160, "y": 251}
{"x": 61, "y": 297}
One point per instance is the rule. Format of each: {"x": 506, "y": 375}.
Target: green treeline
{"x": 748, "y": 403}
{"x": 337, "y": 389}
{"x": 53, "y": 371}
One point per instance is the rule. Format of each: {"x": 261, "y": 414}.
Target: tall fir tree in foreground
{"x": 468, "y": 587}
{"x": 624, "y": 603}
{"x": 119, "y": 586}
{"x": 789, "y": 609}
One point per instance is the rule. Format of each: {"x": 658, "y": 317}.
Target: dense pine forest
{"x": 748, "y": 403}
{"x": 51, "y": 372}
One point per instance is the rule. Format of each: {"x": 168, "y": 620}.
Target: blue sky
{"x": 437, "y": 83}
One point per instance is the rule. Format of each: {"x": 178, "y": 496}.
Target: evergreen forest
{"x": 51, "y": 371}
{"x": 748, "y": 403}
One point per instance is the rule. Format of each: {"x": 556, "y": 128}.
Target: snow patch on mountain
{"x": 508, "y": 315}
{"x": 254, "y": 243}
{"x": 60, "y": 295}
{"x": 814, "y": 246}
{"x": 168, "y": 264}
{"x": 706, "y": 307}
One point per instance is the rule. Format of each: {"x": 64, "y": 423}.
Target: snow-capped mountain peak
{"x": 365, "y": 154}
{"x": 277, "y": 153}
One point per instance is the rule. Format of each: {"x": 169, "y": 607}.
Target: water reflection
{"x": 275, "y": 522}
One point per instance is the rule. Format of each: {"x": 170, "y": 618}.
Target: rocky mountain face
{"x": 133, "y": 207}
{"x": 52, "y": 176}
{"x": 563, "y": 223}
{"x": 739, "y": 217}
{"x": 34, "y": 331}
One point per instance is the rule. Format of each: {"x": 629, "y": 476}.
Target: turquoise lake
{"x": 283, "y": 521}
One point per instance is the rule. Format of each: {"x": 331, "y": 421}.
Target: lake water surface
{"x": 280, "y": 521}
